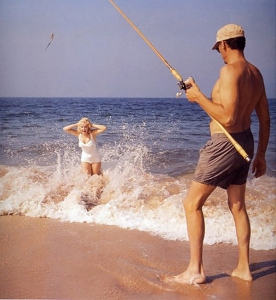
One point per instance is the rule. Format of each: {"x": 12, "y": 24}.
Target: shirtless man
{"x": 236, "y": 94}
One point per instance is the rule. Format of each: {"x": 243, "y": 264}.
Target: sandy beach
{"x": 46, "y": 259}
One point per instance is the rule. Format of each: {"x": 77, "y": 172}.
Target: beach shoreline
{"x": 50, "y": 259}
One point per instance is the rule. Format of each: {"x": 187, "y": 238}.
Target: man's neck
{"x": 235, "y": 56}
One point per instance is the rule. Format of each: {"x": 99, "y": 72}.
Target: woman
{"x": 87, "y": 132}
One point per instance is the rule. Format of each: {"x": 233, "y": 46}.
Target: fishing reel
{"x": 184, "y": 85}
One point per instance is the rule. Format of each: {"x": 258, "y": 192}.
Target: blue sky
{"x": 95, "y": 52}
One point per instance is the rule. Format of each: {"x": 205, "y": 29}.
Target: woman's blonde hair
{"x": 84, "y": 121}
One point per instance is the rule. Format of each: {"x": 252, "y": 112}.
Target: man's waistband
{"x": 235, "y": 135}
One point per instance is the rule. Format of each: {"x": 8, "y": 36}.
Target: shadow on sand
{"x": 258, "y": 270}
{"x": 261, "y": 269}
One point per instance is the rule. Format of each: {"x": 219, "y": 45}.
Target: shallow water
{"x": 149, "y": 154}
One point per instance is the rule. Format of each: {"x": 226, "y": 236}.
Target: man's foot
{"x": 244, "y": 275}
{"x": 185, "y": 278}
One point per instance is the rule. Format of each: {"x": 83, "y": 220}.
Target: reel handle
{"x": 184, "y": 85}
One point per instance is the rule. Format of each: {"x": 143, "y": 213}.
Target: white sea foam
{"x": 131, "y": 198}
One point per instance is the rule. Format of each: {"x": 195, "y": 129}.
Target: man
{"x": 236, "y": 94}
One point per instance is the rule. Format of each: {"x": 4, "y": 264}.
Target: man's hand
{"x": 258, "y": 166}
{"x": 193, "y": 92}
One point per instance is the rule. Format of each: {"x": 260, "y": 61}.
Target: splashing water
{"x": 148, "y": 156}
{"x": 131, "y": 197}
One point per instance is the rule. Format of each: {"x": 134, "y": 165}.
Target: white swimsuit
{"x": 90, "y": 152}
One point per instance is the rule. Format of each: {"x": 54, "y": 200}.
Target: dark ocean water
{"x": 149, "y": 152}
{"x": 172, "y": 130}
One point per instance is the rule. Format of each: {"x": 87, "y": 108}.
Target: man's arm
{"x": 223, "y": 109}
{"x": 262, "y": 111}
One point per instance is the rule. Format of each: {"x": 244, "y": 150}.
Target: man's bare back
{"x": 248, "y": 86}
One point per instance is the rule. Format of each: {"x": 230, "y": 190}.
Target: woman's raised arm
{"x": 70, "y": 129}
{"x": 99, "y": 128}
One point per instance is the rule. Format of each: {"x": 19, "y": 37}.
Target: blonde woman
{"x": 87, "y": 132}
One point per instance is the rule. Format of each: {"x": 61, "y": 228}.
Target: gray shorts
{"x": 220, "y": 164}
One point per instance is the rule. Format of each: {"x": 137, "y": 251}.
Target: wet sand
{"x": 45, "y": 258}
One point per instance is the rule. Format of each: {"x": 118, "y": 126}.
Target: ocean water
{"x": 149, "y": 153}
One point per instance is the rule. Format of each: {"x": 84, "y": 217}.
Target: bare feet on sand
{"x": 185, "y": 278}
{"x": 244, "y": 275}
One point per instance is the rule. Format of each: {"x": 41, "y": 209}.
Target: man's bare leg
{"x": 236, "y": 202}
{"x": 193, "y": 203}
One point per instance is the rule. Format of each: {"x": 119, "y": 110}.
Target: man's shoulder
{"x": 230, "y": 70}
{"x": 238, "y": 68}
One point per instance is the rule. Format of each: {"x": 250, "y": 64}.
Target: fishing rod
{"x": 183, "y": 85}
